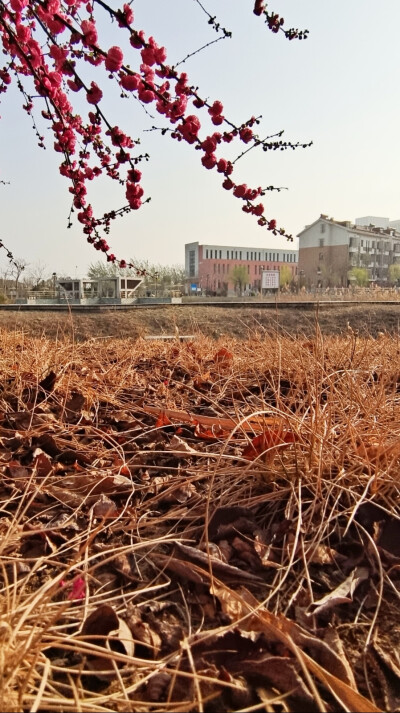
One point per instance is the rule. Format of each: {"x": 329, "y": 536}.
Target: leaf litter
{"x": 199, "y": 528}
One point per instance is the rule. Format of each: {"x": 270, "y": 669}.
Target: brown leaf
{"x": 16, "y": 470}
{"x": 177, "y": 444}
{"x": 74, "y": 405}
{"x": 104, "y": 507}
{"x": 104, "y": 628}
{"x": 281, "y": 671}
{"x": 49, "y": 382}
{"x": 143, "y": 633}
{"x": 41, "y": 463}
{"x": 48, "y": 444}
{"x": 245, "y": 607}
{"x": 343, "y": 594}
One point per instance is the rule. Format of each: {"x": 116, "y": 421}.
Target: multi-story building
{"x": 211, "y": 268}
{"x": 329, "y": 249}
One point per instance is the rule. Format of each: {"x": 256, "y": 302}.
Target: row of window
{"x": 250, "y": 255}
{"x": 224, "y": 269}
{"x": 370, "y": 244}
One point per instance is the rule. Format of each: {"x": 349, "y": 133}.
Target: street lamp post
{"x": 54, "y": 276}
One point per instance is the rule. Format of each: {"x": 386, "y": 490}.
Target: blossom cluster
{"x": 49, "y": 40}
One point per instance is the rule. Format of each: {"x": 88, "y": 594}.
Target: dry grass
{"x": 240, "y": 322}
{"x": 148, "y": 564}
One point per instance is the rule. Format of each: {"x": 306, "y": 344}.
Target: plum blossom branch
{"x": 96, "y": 147}
{"x": 10, "y": 256}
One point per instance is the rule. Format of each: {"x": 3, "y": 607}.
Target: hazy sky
{"x": 339, "y": 88}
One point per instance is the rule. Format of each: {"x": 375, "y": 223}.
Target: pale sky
{"x": 338, "y": 88}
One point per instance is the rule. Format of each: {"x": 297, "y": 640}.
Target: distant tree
{"x": 285, "y": 276}
{"x": 37, "y": 274}
{"x": 17, "y": 267}
{"x": 394, "y": 274}
{"x": 361, "y": 276}
{"x": 240, "y": 277}
{"x": 162, "y": 277}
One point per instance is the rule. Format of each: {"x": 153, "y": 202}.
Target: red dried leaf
{"x": 210, "y": 434}
{"x": 78, "y": 590}
{"x": 162, "y": 420}
{"x": 223, "y": 356}
{"x": 269, "y": 441}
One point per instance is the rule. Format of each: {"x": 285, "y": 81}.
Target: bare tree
{"x": 36, "y": 275}
{"x": 16, "y": 270}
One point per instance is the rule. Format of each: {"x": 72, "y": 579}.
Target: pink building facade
{"x": 210, "y": 268}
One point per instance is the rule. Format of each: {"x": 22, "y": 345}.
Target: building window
{"x": 206, "y": 253}
{"x": 322, "y": 227}
{"x": 215, "y": 268}
{"x": 247, "y": 256}
{"x": 321, "y": 256}
{"x": 220, "y": 254}
{"x": 235, "y": 254}
{"x": 321, "y": 242}
{"x": 240, "y": 255}
{"x": 219, "y": 268}
{"x": 248, "y": 269}
{"x": 273, "y": 257}
{"x": 192, "y": 263}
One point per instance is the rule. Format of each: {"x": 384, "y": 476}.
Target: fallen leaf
{"x": 104, "y": 507}
{"x": 269, "y": 442}
{"x": 42, "y": 463}
{"x": 177, "y": 444}
{"x": 104, "y": 628}
{"x": 343, "y": 594}
{"x": 143, "y": 633}
{"x": 243, "y": 607}
{"x": 49, "y": 382}
{"x": 210, "y": 434}
{"x": 223, "y": 356}
{"x": 163, "y": 420}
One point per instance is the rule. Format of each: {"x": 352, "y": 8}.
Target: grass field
{"x": 209, "y": 525}
{"x": 241, "y": 322}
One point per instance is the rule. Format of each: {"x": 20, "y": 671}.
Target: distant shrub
{"x": 3, "y": 298}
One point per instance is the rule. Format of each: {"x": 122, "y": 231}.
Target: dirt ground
{"x": 213, "y": 322}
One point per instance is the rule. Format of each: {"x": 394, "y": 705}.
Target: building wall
{"x": 324, "y": 266}
{"x": 328, "y": 249}
{"x": 323, "y": 232}
{"x": 211, "y": 267}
